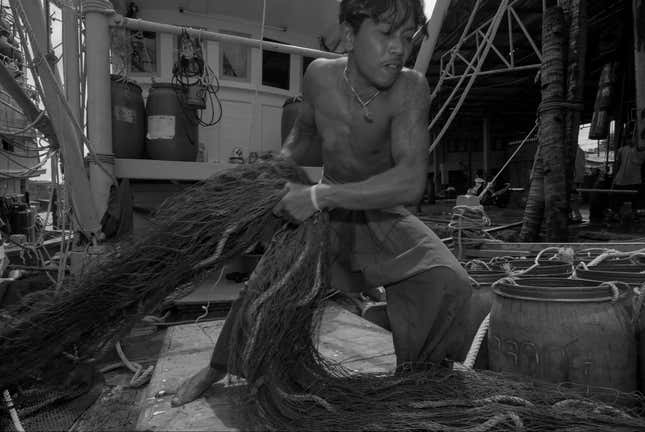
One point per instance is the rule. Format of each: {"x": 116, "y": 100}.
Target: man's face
{"x": 379, "y": 50}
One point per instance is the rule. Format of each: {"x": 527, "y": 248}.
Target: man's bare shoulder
{"x": 323, "y": 69}
{"x": 411, "y": 90}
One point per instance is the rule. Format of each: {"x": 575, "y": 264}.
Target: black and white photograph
{"x": 322, "y": 215}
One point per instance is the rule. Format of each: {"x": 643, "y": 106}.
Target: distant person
{"x": 628, "y": 175}
{"x": 480, "y": 184}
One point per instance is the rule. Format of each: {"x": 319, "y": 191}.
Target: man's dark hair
{"x": 394, "y": 12}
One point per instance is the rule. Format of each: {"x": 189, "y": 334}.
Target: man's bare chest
{"x": 344, "y": 126}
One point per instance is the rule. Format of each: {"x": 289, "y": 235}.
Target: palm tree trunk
{"x": 551, "y": 134}
{"x": 534, "y": 210}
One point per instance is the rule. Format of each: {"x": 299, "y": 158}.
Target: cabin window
{"x": 276, "y": 67}
{"x": 144, "y": 52}
{"x": 306, "y": 61}
{"x": 235, "y": 63}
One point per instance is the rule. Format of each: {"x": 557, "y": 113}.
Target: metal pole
{"x": 498, "y": 71}
{"x": 99, "y": 115}
{"x": 138, "y": 24}
{"x": 434, "y": 29}
{"x": 486, "y": 143}
{"x": 62, "y": 121}
{"x": 71, "y": 61}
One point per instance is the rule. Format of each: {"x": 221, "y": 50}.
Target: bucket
{"x": 128, "y": 119}
{"x": 172, "y": 127}
{"x": 564, "y": 330}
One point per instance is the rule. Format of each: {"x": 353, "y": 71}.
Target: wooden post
{"x": 638, "y": 9}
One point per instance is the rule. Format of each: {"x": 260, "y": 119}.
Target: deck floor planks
{"x": 344, "y": 337}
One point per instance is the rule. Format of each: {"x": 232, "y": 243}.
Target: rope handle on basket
{"x": 580, "y": 265}
{"x": 508, "y": 280}
{"x": 475, "y": 262}
{"x": 639, "y": 299}
{"x": 612, "y": 253}
{"x": 473, "y": 282}
{"x": 543, "y": 251}
{"x": 614, "y": 288}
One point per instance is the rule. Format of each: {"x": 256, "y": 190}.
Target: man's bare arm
{"x": 303, "y": 144}
{"x": 404, "y": 183}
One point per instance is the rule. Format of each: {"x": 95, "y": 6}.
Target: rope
{"x": 551, "y": 104}
{"x": 141, "y": 376}
{"x": 506, "y": 280}
{"x": 205, "y": 308}
{"x": 98, "y": 158}
{"x": 472, "y": 264}
{"x": 639, "y": 299}
{"x": 595, "y": 407}
{"x": 614, "y": 289}
{"x": 26, "y": 128}
{"x": 471, "y": 357}
{"x": 62, "y": 98}
{"x": 12, "y": 411}
{"x": 616, "y": 254}
{"x": 517, "y": 150}
{"x": 469, "y": 221}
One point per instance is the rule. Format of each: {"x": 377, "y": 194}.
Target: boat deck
{"x": 344, "y": 337}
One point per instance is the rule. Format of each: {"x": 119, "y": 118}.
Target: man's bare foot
{"x": 196, "y": 385}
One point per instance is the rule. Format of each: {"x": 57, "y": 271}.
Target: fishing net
{"x": 192, "y": 233}
{"x": 274, "y": 343}
{"x": 292, "y": 387}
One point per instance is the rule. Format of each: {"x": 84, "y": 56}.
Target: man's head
{"x": 378, "y": 35}
{"x": 393, "y": 12}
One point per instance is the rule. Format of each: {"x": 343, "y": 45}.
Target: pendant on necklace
{"x": 367, "y": 115}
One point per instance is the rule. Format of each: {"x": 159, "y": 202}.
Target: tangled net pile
{"x": 289, "y": 385}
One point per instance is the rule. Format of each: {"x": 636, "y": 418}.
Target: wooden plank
{"x": 344, "y": 337}
{"x": 608, "y": 191}
{"x": 537, "y": 247}
{"x": 175, "y": 170}
{"x": 487, "y": 253}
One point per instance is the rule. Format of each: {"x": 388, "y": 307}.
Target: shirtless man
{"x": 364, "y": 120}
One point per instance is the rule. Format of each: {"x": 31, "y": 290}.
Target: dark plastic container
{"x": 128, "y": 119}
{"x": 172, "y": 130}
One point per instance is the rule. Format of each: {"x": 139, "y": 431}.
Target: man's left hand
{"x": 296, "y": 205}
